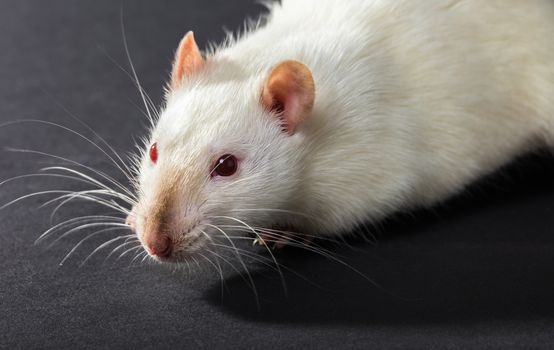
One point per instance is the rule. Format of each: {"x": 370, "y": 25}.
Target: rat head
{"x": 224, "y": 156}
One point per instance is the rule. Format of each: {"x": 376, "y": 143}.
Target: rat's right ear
{"x": 188, "y": 60}
{"x": 289, "y": 92}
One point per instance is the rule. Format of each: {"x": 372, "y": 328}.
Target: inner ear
{"x": 188, "y": 60}
{"x": 289, "y": 92}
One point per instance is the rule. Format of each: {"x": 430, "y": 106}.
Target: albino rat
{"x": 334, "y": 113}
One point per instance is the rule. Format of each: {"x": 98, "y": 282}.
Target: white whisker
{"x": 105, "y": 244}
{"x": 267, "y": 248}
{"x": 127, "y": 241}
{"x": 112, "y": 225}
{"x": 72, "y": 221}
{"x": 97, "y": 172}
{"x": 130, "y": 76}
{"x": 129, "y": 250}
{"x": 86, "y": 195}
{"x": 251, "y": 280}
{"x": 34, "y": 194}
{"x": 85, "y": 239}
{"x": 129, "y": 197}
{"x": 268, "y": 263}
{"x": 132, "y": 66}
{"x": 88, "y": 127}
{"x": 21, "y": 121}
{"x": 217, "y": 268}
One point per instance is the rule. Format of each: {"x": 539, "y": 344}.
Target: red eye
{"x": 154, "y": 153}
{"x": 226, "y": 165}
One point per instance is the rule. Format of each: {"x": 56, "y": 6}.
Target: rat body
{"x": 335, "y": 113}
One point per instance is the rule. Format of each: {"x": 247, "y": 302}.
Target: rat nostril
{"x": 161, "y": 248}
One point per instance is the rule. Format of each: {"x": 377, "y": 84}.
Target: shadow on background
{"x": 482, "y": 256}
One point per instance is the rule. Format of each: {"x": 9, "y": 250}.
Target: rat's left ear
{"x": 188, "y": 60}
{"x": 290, "y": 92}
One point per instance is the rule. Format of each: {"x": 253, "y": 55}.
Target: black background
{"x": 476, "y": 271}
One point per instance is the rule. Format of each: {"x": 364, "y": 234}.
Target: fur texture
{"x": 414, "y": 100}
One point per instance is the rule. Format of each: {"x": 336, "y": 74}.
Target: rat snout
{"x": 156, "y": 237}
{"x": 159, "y": 245}
{"x": 154, "y": 225}
{"x": 163, "y": 225}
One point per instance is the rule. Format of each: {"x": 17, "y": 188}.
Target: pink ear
{"x": 188, "y": 60}
{"x": 290, "y": 92}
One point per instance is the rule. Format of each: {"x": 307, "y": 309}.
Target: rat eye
{"x": 154, "y": 153}
{"x": 226, "y": 165}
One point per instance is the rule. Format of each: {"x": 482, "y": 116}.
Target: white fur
{"x": 414, "y": 100}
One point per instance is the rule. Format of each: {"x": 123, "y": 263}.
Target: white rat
{"x": 334, "y": 113}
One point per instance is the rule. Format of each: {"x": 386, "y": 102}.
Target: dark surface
{"x": 475, "y": 272}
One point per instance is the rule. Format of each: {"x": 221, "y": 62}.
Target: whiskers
{"x": 101, "y": 193}
{"x": 103, "y": 190}
{"x": 224, "y": 248}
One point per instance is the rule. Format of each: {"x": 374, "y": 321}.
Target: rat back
{"x": 414, "y": 100}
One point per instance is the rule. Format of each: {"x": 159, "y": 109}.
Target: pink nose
{"x": 160, "y": 247}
